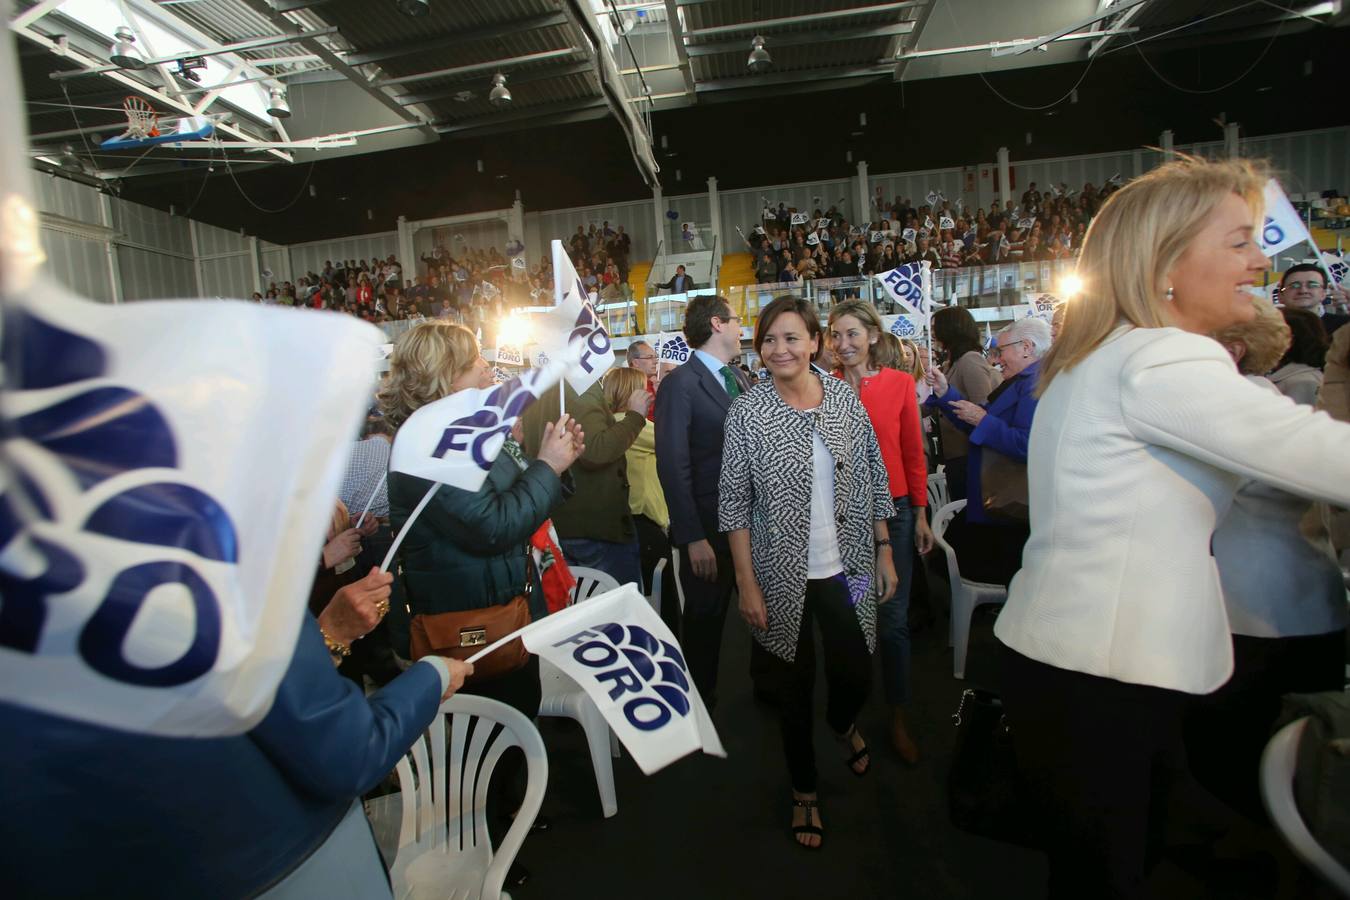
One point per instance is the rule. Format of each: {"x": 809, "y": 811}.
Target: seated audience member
{"x": 1286, "y": 606}
{"x": 1299, "y": 373}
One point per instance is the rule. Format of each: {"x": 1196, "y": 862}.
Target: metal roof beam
{"x": 1099, "y": 44}
{"x": 777, "y": 78}
{"x": 1027, "y": 46}
{"x": 676, "y": 28}
{"x": 515, "y": 117}
{"x": 474, "y": 35}
{"x": 216, "y": 50}
{"x": 543, "y": 73}
{"x": 321, "y": 50}
{"x": 489, "y": 66}
{"x": 285, "y": 6}
{"x": 796, "y": 38}
{"x": 763, "y": 25}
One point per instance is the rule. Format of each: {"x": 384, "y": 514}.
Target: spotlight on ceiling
{"x": 500, "y": 95}
{"x": 414, "y": 7}
{"x": 125, "y": 53}
{"x": 759, "y": 60}
{"x": 70, "y": 162}
{"x": 277, "y": 106}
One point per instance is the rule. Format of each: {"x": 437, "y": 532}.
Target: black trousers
{"x": 705, "y": 613}
{"x": 654, "y": 546}
{"x": 1101, "y": 756}
{"x": 955, "y": 469}
{"x": 848, "y": 675}
{"x": 987, "y": 552}
{"x": 506, "y": 791}
{"x": 1226, "y": 731}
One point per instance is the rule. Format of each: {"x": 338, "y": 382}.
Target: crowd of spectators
{"x": 791, "y": 246}
{"x": 468, "y": 286}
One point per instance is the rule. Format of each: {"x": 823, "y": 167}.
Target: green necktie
{"x": 733, "y": 387}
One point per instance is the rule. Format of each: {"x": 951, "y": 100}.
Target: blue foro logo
{"x": 675, "y": 349}
{"x": 113, "y": 441}
{"x": 903, "y": 327}
{"x": 649, "y": 674}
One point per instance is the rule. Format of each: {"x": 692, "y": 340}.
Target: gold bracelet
{"x": 336, "y": 648}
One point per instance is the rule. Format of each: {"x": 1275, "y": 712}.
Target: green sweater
{"x": 598, "y": 510}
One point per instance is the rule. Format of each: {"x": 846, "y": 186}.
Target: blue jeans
{"x": 620, "y": 561}
{"x": 893, "y": 615}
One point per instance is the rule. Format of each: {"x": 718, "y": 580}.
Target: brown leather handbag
{"x": 460, "y": 635}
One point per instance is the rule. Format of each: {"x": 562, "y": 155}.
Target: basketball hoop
{"x": 142, "y": 120}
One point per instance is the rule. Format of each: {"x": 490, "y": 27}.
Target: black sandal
{"x": 858, "y": 756}
{"x": 808, "y": 828}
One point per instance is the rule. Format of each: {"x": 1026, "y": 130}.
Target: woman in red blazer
{"x": 890, "y": 398}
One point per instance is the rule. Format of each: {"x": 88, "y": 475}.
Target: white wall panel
{"x": 212, "y": 241}
{"x": 151, "y": 227}
{"x": 485, "y": 235}
{"x": 310, "y": 257}
{"x": 745, "y": 207}
{"x": 147, "y": 275}
{"x": 228, "y": 277}
{"x": 914, "y": 187}
{"x": 276, "y": 257}
{"x": 66, "y": 198}
{"x": 79, "y": 264}
{"x": 1075, "y": 171}
{"x": 541, "y": 228}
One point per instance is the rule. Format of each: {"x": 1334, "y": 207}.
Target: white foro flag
{"x": 619, "y": 651}
{"x": 150, "y": 540}
{"x": 671, "y": 347}
{"x": 1282, "y": 227}
{"x": 572, "y": 328}
{"x": 456, "y": 439}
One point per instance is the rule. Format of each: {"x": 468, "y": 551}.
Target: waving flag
{"x": 902, "y": 326}
{"x": 1336, "y": 267}
{"x": 798, "y": 219}
{"x": 572, "y": 329}
{"x": 624, "y": 657}
{"x": 904, "y": 285}
{"x": 946, "y": 222}
{"x": 1283, "y": 228}
{"x": 150, "y": 544}
{"x": 672, "y": 348}
{"x": 455, "y": 440}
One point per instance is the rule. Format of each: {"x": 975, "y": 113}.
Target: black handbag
{"x": 986, "y": 794}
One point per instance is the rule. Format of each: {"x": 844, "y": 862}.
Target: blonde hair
{"x": 427, "y": 359}
{"x": 916, "y": 366}
{"x": 619, "y": 386}
{"x": 1266, "y": 338}
{"x": 886, "y": 353}
{"x": 1133, "y": 243}
{"x": 865, "y": 313}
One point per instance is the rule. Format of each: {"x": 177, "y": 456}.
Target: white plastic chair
{"x": 658, "y": 585}
{"x": 675, "y": 576}
{"x": 937, "y": 490}
{"x": 966, "y": 595}
{"x": 443, "y": 846}
{"x": 563, "y": 697}
{"x": 1278, "y": 764}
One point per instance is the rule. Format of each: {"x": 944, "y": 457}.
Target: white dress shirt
{"x": 1135, "y": 455}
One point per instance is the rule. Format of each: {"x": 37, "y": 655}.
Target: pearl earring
{"x": 1171, "y": 295}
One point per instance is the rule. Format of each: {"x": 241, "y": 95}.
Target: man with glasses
{"x": 642, "y": 357}
{"x": 1304, "y": 286}
{"x": 691, "y": 408}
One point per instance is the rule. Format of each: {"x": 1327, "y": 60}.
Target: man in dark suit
{"x": 680, "y": 283}
{"x": 691, "y": 406}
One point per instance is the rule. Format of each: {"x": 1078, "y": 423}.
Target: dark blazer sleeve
{"x": 492, "y": 521}
{"x": 327, "y": 737}
{"x": 674, "y": 468}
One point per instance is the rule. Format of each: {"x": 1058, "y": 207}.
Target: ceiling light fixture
{"x": 759, "y": 60}
{"x": 125, "y": 53}
{"x": 500, "y": 95}
{"x": 277, "y": 106}
{"x": 414, "y": 8}
{"x": 70, "y": 162}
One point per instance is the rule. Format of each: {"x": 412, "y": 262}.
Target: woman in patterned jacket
{"x": 804, "y": 496}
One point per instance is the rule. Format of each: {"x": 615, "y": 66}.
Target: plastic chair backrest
{"x": 1279, "y": 763}
{"x": 937, "y": 490}
{"x": 941, "y": 519}
{"x": 658, "y": 586}
{"x": 591, "y": 583}
{"x": 453, "y": 823}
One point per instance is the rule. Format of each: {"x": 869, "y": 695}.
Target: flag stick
{"x": 369, "y": 500}
{"x": 403, "y": 532}
{"x": 926, "y": 284}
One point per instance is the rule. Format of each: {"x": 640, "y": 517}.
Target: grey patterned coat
{"x": 767, "y": 472}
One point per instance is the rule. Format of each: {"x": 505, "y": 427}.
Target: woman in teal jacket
{"x": 468, "y": 549}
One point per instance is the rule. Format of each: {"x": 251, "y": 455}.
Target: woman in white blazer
{"x": 1143, "y": 432}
